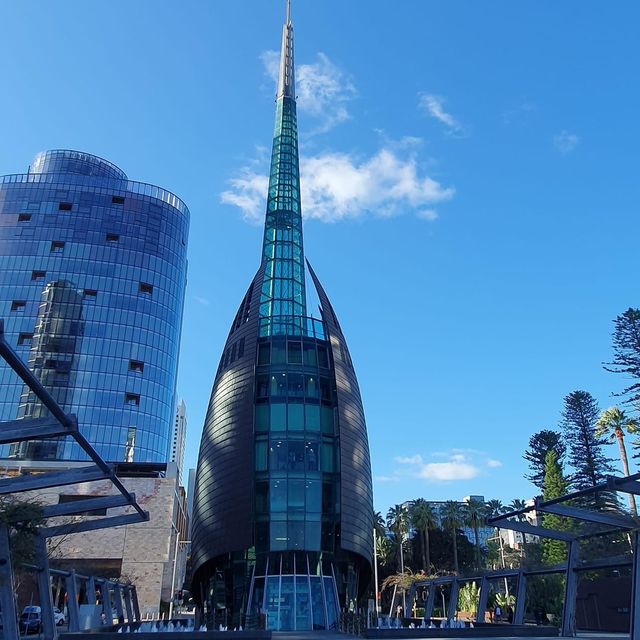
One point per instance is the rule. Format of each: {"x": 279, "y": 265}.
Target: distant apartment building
{"x": 179, "y": 438}
{"x": 92, "y": 278}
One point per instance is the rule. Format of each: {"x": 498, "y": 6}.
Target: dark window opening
{"x": 146, "y": 288}
{"x": 62, "y": 498}
{"x": 38, "y": 275}
{"x": 25, "y": 338}
{"x": 24, "y": 217}
{"x": 64, "y": 206}
{"x": 57, "y": 246}
{"x": 117, "y": 199}
{"x": 136, "y": 365}
{"x": 90, "y": 293}
{"x": 112, "y": 237}
{"x": 132, "y": 399}
{"x": 18, "y": 305}
{"x": 241, "y": 348}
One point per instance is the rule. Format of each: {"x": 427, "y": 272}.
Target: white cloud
{"x": 457, "y": 468}
{"x": 427, "y": 214}
{"x": 338, "y": 186}
{"x": 205, "y": 302}
{"x": 493, "y": 464}
{"x": 387, "y": 479}
{"x": 248, "y": 192}
{"x": 565, "y": 142}
{"x": 323, "y": 89}
{"x": 433, "y": 106}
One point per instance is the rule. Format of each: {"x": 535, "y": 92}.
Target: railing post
{"x": 570, "y": 592}
{"x": 7, "y": 599}
{"x": 43, "y": 578}
{"x": 127, "y": 603}
{"x": 483, "y": 599}
{"x": 521, "y": 598}
{"x": 634, "y": 623}
{"x": 117, "y": 593}
{"x": 431, "y": 599}
{"x": 136, "y": 605}
{"x": 72, "y": 601}
{"x": 453, "y": 601}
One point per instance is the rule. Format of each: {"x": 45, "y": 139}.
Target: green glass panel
{"x": 278, "y": 417}
{"x": 312, "y": 417}
{"x": 296, "y": 417}
{"x": 262, "y": 417}
{"x": 326, "y": 419}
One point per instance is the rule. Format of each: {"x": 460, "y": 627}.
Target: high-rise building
{"x": 92, "y": 280}
{"x": 283, "y": 513}
{"x": 179, "y": 438}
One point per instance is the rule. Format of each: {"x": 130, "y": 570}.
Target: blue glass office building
{"x": 283, "y": 517}
{"x": 92, "y": 279}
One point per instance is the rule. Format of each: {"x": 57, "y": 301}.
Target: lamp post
{"x": 173, "y": 573}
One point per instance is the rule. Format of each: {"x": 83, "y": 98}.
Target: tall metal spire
{"x": 283, "y": 297}
{"x": 286, "y": 77}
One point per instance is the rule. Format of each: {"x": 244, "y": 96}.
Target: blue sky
{"x": 471, "y": 193}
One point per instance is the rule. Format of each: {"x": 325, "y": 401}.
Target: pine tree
{"x": 591, "y": 466}
{"x": 555, "y": 485}
{"x": 539, "y": 445}
{"x": 626, "y": 353}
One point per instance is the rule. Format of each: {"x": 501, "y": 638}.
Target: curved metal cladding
{"x": 222, "y": 514}
{"x": 93, "y": 271}
{"x": 356, "y": 491}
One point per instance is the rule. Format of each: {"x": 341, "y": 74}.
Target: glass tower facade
{"x": 92, "y": 279}
{"x": 282, "y": 530}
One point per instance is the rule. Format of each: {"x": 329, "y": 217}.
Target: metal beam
{"x": 600, "y": 517}
{"x": 80, "y": 507}
{"x": 44, "y": 589}
{"x": 7, "y": 600}
{"x": 627, "y": 485}
{"x": 634, "y": 623}
{"x": 34, "y": 428}
{"x": 117, "y": 593}
{"x": 485, "y": 586}
{"x": 568, "y": 629}
{"x": 431, "y": 599}
{"x": 525, "y": 527}
{"x": 93, "y": 525}
{"x": 521, "y": 598}
{"x": 37, "y": 481}
{"x": 127, "y": 603}
{"x": 136, "y": 604}
{"x": 72, "y": 602}
{"x": 453, "y": 600}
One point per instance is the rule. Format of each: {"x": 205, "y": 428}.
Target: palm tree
{"x": 613, "y": 423}
{"x": 494, "y": 508}
{"x": 517, "y": 504}
{"x": 423, "y": 518}
{"x": 379, "y": 525}
{"x": 451, "y": 516}
{"x": 474, "y": 514}
{"x": 398, "y": 522}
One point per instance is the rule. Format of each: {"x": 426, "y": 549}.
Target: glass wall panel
{"x": 317, "y": 601}
{"x": 303, "y": 609}
{"x": 272, "y": 602}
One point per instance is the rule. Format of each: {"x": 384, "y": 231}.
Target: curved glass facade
{"x": 92, "y": 279}
{"x": 284, "y": 433}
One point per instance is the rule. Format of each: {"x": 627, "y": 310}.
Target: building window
{"x": 112, "y": 237}
{"x": 38, "y": 275}
{"x": 117, "y": 199}
{"x": 25, "y": 338}
{"x": 57, "y": 246}
{"x": 132, "y": 399}
{"x": 24, "y": 217}
{"x": 91, "y": 294}
{"x": 18, "y": 306}
{"x": 64, "y": 206}
{"x": 136, "y": 365}
{"x": 146, "y": 288}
